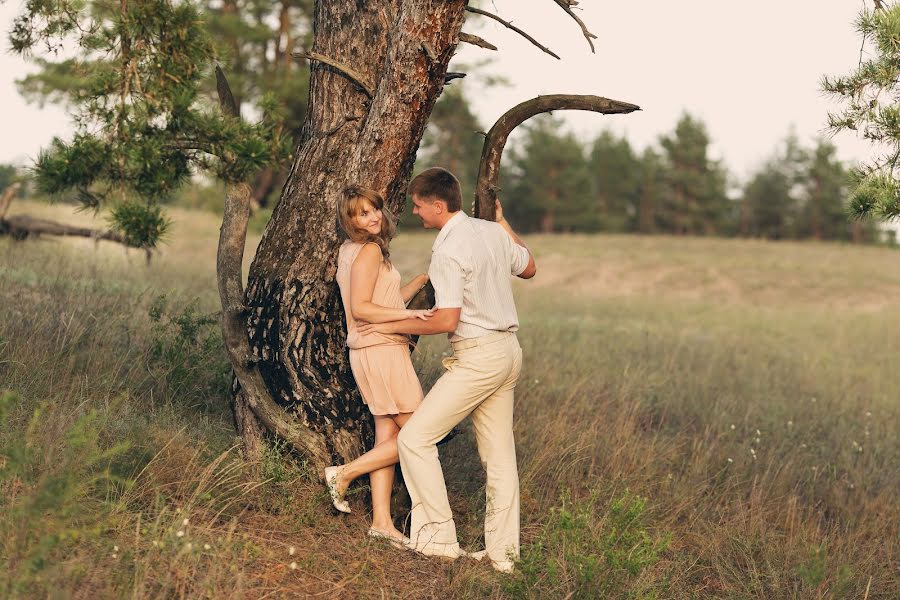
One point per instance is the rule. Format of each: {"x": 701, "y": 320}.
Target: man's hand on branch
{"x": 498, "y": 210}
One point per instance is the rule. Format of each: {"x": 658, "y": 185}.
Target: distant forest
{"x": 553, "y": 182}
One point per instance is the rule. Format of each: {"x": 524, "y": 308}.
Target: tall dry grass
{"x": 696, "y": 418}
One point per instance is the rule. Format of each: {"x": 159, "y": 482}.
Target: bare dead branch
{"x": 229, "y": 259}
{"x": 468, "y": 38}
{"x": 486, "y": 188}
{"x": 8, "y": 194}
{"x": 354, "y": 76}
{"x": 22, "y": 226}
{"x": 509, "y": 25}
{"x": 450, "y": 76}
{"x": 567, "y": 5}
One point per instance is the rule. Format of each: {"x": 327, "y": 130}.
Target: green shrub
{"x": 817, "y": 574}
{"x": 189, "y": 356}
{"x": 583, "y": 553}
{"x": 53, "y": 494}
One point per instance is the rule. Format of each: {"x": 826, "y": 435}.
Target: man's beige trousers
{"x": 480, "y": 379}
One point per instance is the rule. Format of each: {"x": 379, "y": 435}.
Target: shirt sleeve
{"x": 448, "y": 278}
{"x": 518, "y": 256}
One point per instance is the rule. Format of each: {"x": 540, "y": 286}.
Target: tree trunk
{"x": 263, "y": 184}
{"x": 647, "y": 212}
{"x": 746, "y": 215}
{"x": 295, "y": 321}
{"x": 548, "y": 224}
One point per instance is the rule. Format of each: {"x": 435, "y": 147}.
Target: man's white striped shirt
{"x": 472, "y": 261}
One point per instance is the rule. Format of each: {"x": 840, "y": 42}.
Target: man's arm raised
{"x": 531, "y": 268}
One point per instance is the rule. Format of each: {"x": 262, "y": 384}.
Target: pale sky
{"x": 750, "y": 70}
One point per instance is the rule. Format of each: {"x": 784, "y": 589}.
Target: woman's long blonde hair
{"x": 349, "y": 205}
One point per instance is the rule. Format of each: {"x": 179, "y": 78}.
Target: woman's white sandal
{"x": 400, "y": 543}
{"x": 340, "y": 504}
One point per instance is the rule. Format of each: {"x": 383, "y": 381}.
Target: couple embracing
{"x": 471, "y": 265}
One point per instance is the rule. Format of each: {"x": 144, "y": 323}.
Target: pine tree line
{"x": 556, "y": 183}
{"x": 553, "y": 182}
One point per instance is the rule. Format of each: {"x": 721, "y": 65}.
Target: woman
{"x": 371, "y": 292}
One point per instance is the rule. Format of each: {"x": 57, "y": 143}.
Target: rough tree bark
{"x": 377, "y": 70}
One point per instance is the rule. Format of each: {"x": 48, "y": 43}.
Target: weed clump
{"x": 583, "y": 552}
{"x": 187, "y": 354}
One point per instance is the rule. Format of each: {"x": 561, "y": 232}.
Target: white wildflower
{"x": 732, "y": 427}
{"x": 185, "y": 522}
{"x": 293, "y": 566}
{"x": 115, "y": 548}
{"x": 291, "y": 551}
{"x": 803, "y": 445}
{"x": 180, "y": 533}
{"x": 731, "y": 460}
{"x": 868, "y": 414}
{"x": 155, "y": 543}
{"x": 189, "y": 546}
{"x": 206, "y": 546}
{"x": 790, "y": 423}
{"x": 758, "y": 433}
{"x": 114, "y": 555}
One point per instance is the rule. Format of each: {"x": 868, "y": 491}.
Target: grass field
{"x": 698, "y": 418}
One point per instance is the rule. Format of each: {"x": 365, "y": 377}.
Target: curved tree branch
{"x": 229, "y": 259}
{"x": 486, "y": 188}
{"x": 485, "y": 13}
{"x": 567, "y": 5}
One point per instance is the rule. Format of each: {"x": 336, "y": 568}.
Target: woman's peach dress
{"x": 381, "y": 363}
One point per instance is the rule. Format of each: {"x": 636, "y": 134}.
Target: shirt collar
{"x": 445, "y": 230}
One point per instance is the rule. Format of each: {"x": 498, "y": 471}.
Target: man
{"x": 471, "y": 264}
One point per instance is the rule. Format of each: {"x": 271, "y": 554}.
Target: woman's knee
{"x": 385, "y": 435}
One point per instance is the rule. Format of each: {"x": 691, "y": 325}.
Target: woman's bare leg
{"x": 379, "y": 463}
{"x": 381, "y": 481}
